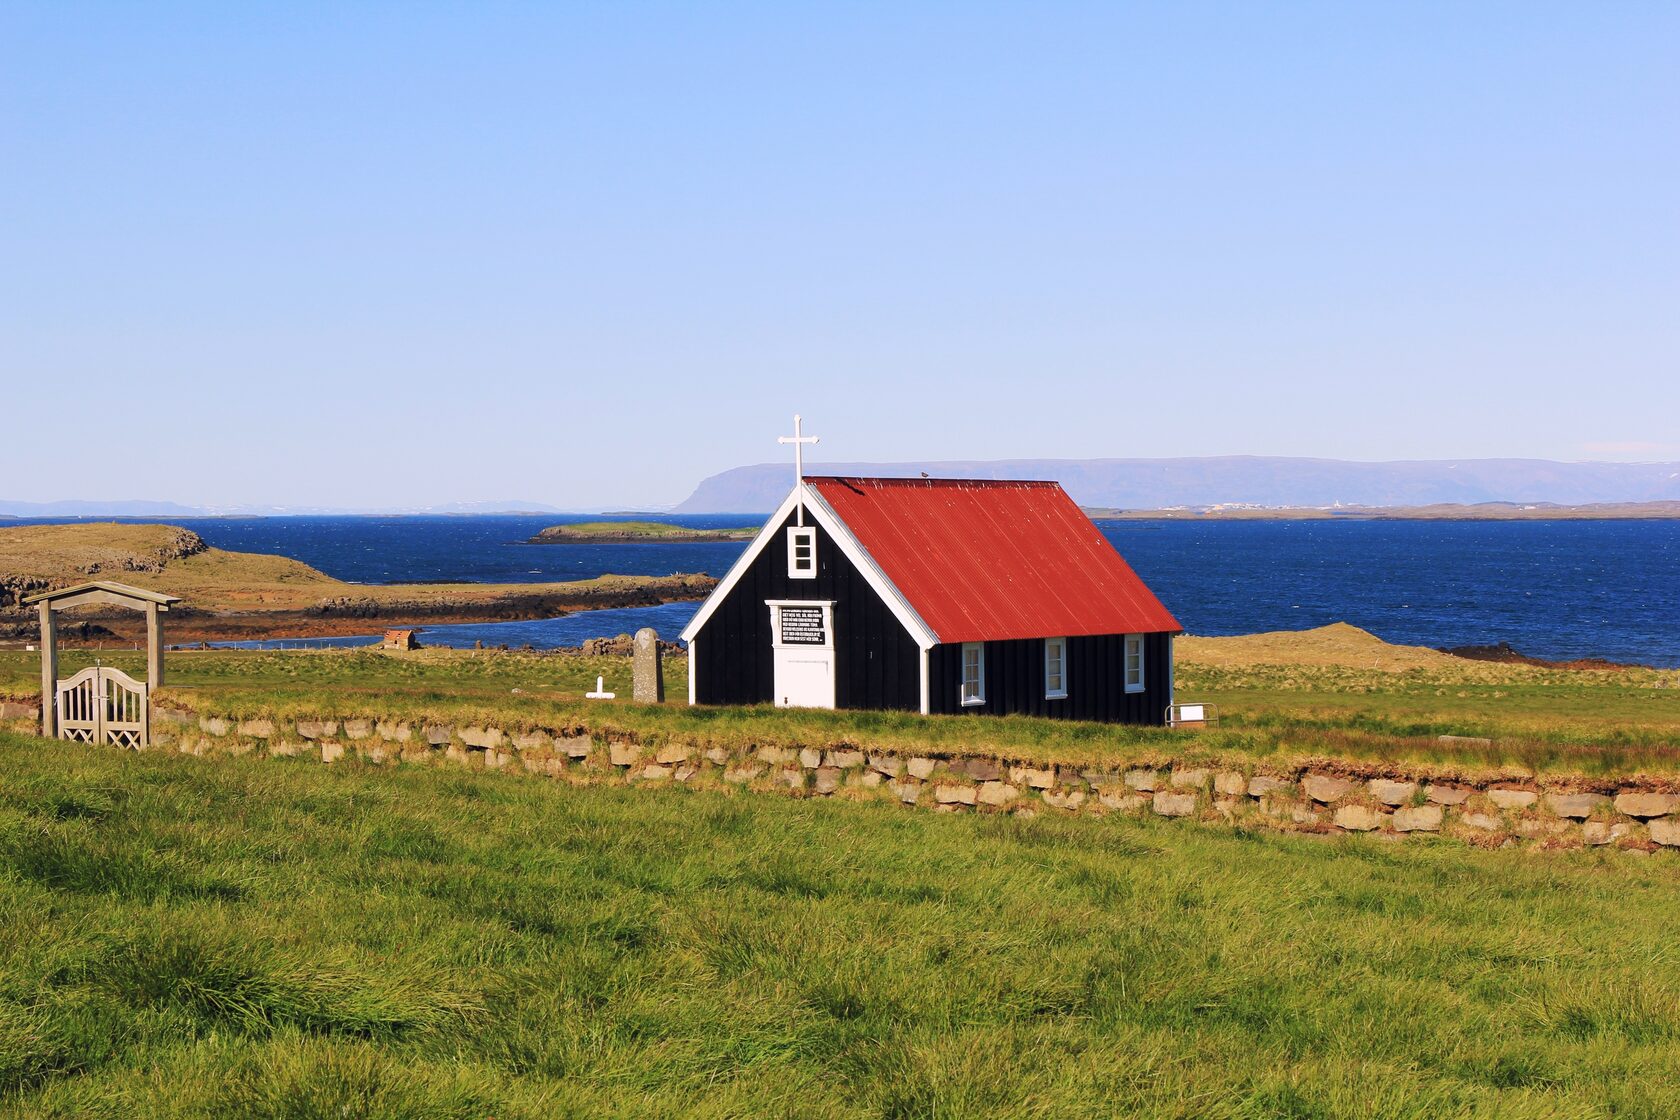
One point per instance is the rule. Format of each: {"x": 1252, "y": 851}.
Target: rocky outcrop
{"x": 514, "y": 605}
{"x": 180, "y": 544}
{"x": 622, "y": 646}
{"x": 14, "y": 589}
{"x": 111, "y": 565}
{"x": 29, "y": 630}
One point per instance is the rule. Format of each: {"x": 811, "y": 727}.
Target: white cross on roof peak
{"x": 799, "y": 439}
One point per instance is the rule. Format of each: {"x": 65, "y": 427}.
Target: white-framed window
{"x": 1055, "y": 668}
{"x": 973, "y": 674}
{"x": 1134, "y": 662}
{"x": 802, "y": 553}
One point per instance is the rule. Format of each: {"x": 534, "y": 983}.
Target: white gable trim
{"x": 1172, "y": 640}
{"x": 842, "y": 536}
{"x": 693, "y": 677}
{"x": 925, "y": 708}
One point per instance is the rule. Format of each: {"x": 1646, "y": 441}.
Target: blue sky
{"x": 373, "y": 254}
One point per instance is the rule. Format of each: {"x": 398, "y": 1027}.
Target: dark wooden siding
{"x": 876, "y": 662}
{"x": 1096, "y": 687}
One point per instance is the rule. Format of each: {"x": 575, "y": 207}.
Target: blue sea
{"x": 1553, "y": 589}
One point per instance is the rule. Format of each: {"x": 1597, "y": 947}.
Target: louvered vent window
{"x": 802, "y": 553}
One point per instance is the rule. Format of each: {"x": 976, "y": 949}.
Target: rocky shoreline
{"x": 1502, "y": 653}
{"x": 239, "y": 596}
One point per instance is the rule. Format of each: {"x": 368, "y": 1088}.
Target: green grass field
{"x": 257, "y": 938}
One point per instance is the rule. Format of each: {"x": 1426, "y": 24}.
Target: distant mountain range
{"x": 1111, "y": 484}
{"x": 1242, "y": 479}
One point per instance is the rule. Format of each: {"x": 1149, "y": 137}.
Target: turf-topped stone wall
{"x": 1316, "y": 796}
{"x": 18, "y": 711}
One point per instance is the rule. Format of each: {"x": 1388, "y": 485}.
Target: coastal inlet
{"x": 236, "y": 596}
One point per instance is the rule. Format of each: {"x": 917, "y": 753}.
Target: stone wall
{"x": 1638, "y": 816}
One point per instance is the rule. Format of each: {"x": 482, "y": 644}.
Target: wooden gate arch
{"x": 100, "y": 705}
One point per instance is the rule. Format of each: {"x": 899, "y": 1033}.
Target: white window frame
{"x": 1060, "y": 691}
{"x": 806, "y": 534}
{"x": 1133, "y": 683}
{"x": 979, "y": 696}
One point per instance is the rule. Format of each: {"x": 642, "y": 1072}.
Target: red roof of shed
{"x": 983, "y": 560}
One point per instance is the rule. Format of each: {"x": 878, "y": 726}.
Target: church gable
{"x": 876, "y": 663}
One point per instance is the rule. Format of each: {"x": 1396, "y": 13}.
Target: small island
{"x": 637, "y": 532}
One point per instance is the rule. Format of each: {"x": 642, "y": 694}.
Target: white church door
{"x": 803, "y": 648}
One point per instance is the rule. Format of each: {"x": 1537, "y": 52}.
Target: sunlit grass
{"x": 243, "y": 937}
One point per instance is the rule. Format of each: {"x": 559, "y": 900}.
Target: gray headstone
{"x": 647, "y": 673}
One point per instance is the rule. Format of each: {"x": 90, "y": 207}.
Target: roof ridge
{"x": 931, "y": 481}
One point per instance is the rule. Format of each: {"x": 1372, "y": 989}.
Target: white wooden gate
{"x": 105, "y": 706}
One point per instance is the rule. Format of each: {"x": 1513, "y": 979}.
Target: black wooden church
{"x": 934, "y": 595}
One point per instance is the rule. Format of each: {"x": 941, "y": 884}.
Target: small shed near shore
{"x": 400, "y": 639}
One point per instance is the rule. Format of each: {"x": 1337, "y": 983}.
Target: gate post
{"x": 101, "y": 703}
{"x": 154, "y": 649}
{"x": 49, "y": 672}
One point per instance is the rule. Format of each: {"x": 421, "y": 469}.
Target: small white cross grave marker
{"x": 600, "y": 692}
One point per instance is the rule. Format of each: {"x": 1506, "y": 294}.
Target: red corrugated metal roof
{"x": 984, "y": 560}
